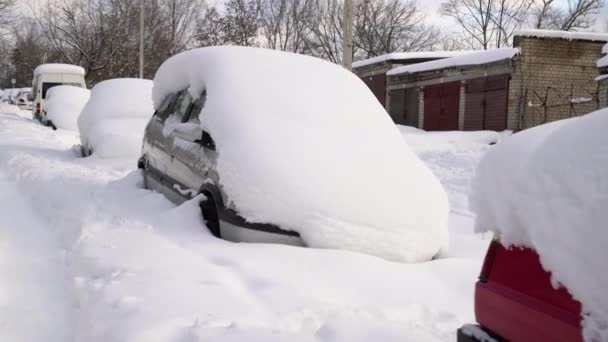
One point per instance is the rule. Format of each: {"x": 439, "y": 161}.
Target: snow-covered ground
{"x": 86, "y": 254}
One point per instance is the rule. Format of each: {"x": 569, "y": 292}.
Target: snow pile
{"x": 470, "y": 59}
{"x": 64, "y": 104}
{"x": 112, "y": 122}
{"x": 547, "y": 188}
{"x": 409, "y": 56}
{"x": 58, "y": 68}
{"x": 295, "y": 152}
{"x": 591, "y": 36}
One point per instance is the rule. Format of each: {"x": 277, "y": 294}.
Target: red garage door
{"x": 486, "y": 103}
{"x": 441, "y": 106}
{"x": 377, "y": 84}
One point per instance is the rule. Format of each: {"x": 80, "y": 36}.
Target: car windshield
{"x": 48, "y": 85}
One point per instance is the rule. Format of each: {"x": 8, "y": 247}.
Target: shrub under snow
{"x": 547, "y": 188}
{"x": 112, "y": 123}
{"x": 64, "y": 104}
{"x": 305, "y": 145}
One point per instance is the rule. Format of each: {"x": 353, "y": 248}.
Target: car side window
{"x": 197, "y": 106}
{"x": 162, "y": 113}
{"x": 182, "y": 106}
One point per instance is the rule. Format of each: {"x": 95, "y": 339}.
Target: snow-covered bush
{"x": 547, "y": 188}
{"x": 113, "y": 121}
{"x": 302, "y": 143}
{"x": 64, "y": 104}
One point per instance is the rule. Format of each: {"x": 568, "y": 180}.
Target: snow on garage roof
{"x": 592, "y": 36}
{"x": 57, "y": 68}
{"x": 404, "y": 56}
{"x": 603, "y": 62}
{"x": 470, "y": 59}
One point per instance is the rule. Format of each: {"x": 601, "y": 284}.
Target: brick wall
{"x": 546, "y": 74}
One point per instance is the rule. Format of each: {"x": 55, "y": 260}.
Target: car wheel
{"x": 210, "y": 214}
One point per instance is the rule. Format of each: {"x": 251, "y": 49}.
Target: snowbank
{"x": 64, "y": 104}
{"x": 57, "y": 68}
{"x": 473, "y": 58}
{"x": 420, "y": 139}
{"x": 404, "y": 56}
{"x": 295, "y": 152}
{"x": 547, "y": 188}
{"x": 592, "y": 36}
{"x": 112, "y": 122}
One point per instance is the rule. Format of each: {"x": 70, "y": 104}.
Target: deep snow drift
{"x": 89, "y": 256}
{"x": 320, "y": 158}
{"x": 112, "y": 122}
{"x": 547, "y": 188}
{"x": 63, "y": 105}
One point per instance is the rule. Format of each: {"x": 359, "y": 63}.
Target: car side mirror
{"x": 188, "y": 131}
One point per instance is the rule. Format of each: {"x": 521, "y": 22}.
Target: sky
{"x": 431, "y": 8}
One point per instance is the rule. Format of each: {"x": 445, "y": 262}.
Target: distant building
{"x": 547, "y": 76}
{"x": 373, "y": 70}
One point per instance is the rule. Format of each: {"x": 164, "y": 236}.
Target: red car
{"x": 515, "y": 301}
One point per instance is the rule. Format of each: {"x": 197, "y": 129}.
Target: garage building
{"x": 547, "y": 76}
{"x": 373, "y": 70}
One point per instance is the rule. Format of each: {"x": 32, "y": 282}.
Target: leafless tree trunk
{"x": 580, "y": 14}
{"x": 326, "y": 31}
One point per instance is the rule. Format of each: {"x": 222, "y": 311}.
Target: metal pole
{"x": 347, "y": 28}
{"x": 141, "y": 40}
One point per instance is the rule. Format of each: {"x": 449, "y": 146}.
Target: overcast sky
{"x": 431, "y": 7}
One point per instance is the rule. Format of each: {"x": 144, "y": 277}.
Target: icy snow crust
{"x": 547, "y": 188}
{"x": 318, "y": 157}
{"x": 473, "y": 58}
{"x": 115, "y": 117}
{"x": 57, "y": 68}
{"x": 64, "y": 104}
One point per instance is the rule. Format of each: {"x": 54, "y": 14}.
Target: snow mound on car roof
{"x": 64, "y": 104}
{"x": 547, "y": 188}
{"x": 304, "y": 144}
{"x": 115, "y": 117}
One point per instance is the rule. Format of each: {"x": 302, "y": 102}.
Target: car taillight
{"x": 489, "y": 260}
{"x": 38, "y": 107}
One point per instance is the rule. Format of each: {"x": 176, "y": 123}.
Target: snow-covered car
{"x": 544, "y": 193}
{"x": 112, "y": 122}
{"x": 63, "y": 106}
{"x": 47, "y": 76}
{"x": 25, "y": 100}
{"x": 290, "y": 149}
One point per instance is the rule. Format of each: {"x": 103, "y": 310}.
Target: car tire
{"x": 210, "y": 214}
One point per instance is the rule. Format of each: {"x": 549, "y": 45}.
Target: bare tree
{"x": 238, "y": 24}
{"x": 6, "y": 7}
{"x": 580, "y": 14}
{"x": 286, "y": 24}
{"x": 490, "y": 23}
{"x": 325, "y": 40}
{"x": 384, "y": 26}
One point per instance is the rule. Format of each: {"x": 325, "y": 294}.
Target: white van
{"x": 47, "y": 76}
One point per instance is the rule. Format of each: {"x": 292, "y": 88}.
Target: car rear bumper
{"x": 517, "y": 317}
